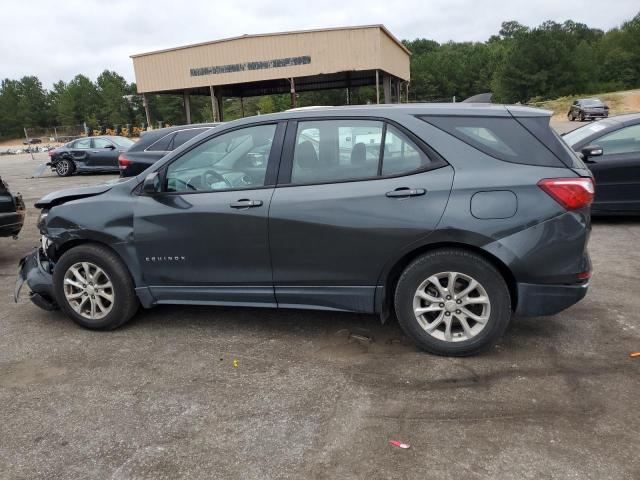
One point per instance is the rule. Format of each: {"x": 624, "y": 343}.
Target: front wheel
{"x": 94, "y": 288}
{"x": 452, "y": 302}
{"x": 65, "y": 168}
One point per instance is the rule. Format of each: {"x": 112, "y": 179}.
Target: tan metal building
{"x": 277, "y": 63}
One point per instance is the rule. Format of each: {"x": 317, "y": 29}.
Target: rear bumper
{"x": 596, "y": 114}
{"x": 537, "y": 300}
{"x": 11, "y": 223}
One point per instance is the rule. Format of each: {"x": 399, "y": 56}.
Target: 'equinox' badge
{"x": 179, "y": 258}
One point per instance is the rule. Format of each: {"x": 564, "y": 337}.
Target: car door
{"x": 104, "y": 154}
{"x": 351, "y": 195}
{"x": 617, "y": 171}
{"x": 81, "y": 152}
{"x": 204, "y": 238}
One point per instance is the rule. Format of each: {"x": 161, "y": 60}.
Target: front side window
{"x": 101, "y": 143}
{"x": 82, "y": 143}
{"x": 625, "y": 140}
{"x": 333, "y": 150}
{"x": 123, "y": 142}
{"x": 233, "y": 160}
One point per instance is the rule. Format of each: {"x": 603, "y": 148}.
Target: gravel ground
{"x": 557, "y": 398}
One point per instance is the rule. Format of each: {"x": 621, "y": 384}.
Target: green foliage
{"x": 518, "y": 64}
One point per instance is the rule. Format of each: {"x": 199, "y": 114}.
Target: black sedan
{"x": 88, "y": 154}
{"x": 611, "y": 150}
{"x": 588, "y": 109}
{"x": 155, "y": 144}
{"x": 11, "y": 212}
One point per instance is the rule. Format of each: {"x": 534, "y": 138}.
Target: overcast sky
{"x": 58, "y": 39}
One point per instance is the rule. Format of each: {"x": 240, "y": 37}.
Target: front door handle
{"x": 246, "y": 203}
{"x": 405, "y": 192}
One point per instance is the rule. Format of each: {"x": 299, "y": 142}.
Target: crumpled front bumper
{"x": 34, "y": 270}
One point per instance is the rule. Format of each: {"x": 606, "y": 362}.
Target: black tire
{"x": 125, "y": 302}
{"x": 571, "y": 117}
{"x": 65, "y": 167}
{"x": 466, "y": 263}
{"x": 582, "y": 117}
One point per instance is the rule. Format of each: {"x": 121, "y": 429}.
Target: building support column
{"x": 187, "y": 107}
{"x": 145, "y": 103}
{"x": 398, "y": 90}
{"x": 293, "y": 92}
{"x": 214, "y": 104}
{"x": 220, "y": 107}
{"x": 386, "y": 87}
{"x": 407, "y": 91}
{"x": 377, "y": 87}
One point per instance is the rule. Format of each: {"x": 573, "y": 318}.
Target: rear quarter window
{"x": 184, "y": 136}
{"x": 162, "y": 144}
{"x": 500, "y": 137}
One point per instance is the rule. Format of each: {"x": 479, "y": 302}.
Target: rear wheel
{"x": 94, "y": 288}
{"x": 452, "y": 302}
{"x": 65, "y": 168}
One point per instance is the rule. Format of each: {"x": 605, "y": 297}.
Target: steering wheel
{"x": 211, "y": 177}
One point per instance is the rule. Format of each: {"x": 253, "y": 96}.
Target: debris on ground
{"x": 634, "y": 354}
{"x": 235, "y": 363}
{"x": 398, "y": 444}
{"x": 360, "y": 338}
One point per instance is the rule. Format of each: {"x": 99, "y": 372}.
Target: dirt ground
{"x": 162, "y": 397}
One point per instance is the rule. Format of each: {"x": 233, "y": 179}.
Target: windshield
{"x": 579, "y": 134}
{"x": 122, "y": 141}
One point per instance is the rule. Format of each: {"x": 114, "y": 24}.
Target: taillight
{"x": 571, "y": 193}
{"x": 123, "y": 161}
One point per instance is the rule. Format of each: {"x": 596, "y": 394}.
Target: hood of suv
{"x": 56, "y": 198}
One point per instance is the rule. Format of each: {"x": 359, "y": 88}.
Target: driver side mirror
{"x": 591, "y": 151}
{"x": 151, "y": 184}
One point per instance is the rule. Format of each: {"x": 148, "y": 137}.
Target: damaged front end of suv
{"x": 36, "y": 268}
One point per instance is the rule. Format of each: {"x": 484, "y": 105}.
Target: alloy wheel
{"x": 451, "y": 306}
{"x": 89, "y": 290}
{"x": 62, "y": 168}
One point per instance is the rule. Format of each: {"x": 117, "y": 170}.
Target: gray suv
{"x": 452, "y": 217}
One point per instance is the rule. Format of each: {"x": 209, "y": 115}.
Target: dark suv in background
{"x": 155, "y": 144}
{"x": 462, "y": 216}
{"x": 587, "y": 109}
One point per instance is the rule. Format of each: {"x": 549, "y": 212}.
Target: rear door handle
{"x": 405, "y": 192}
{"x": 246, "y": 203}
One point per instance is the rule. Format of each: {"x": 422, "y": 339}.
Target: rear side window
{"x": 333, "y": 150}
{"x": 162, "y": 144}
{"x": 339, "y": 150}
{"x": 500, "y": 137}
{"x": 401, "y": 155}
{"x": 184, "y": 136}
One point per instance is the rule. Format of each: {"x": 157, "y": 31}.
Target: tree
{"x": 113, "y": 108}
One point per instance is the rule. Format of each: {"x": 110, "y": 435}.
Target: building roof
{"x": 292, "y": 32}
